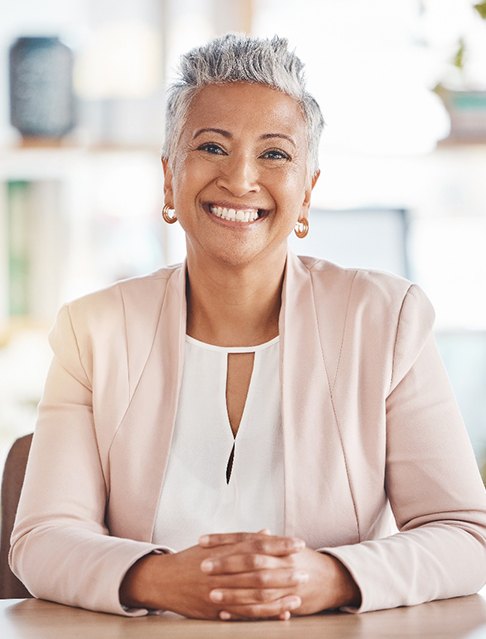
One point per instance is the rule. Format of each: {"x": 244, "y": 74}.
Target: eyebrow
{"x": 222, "y": 132}
{"x": 227, "y": 134}
{"x": 267, "y": 136}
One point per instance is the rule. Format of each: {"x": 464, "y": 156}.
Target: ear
{"x": 308, "y": 193}
{"x": 168, "y": 193}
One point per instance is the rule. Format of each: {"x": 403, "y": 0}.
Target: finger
{"x": 223, "y": 539}
{"x": 241, "y": 596}
{"x": 261, "y": 611}
{"x": 258, "y": 554}
{"x": 279, "y": 578}
{"x": 273, "y": 545}
{"x": 270, "y": 545}
{"x": 231, "y": 564}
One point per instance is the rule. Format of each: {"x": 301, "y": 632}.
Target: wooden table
{"x": 461, "y": 618}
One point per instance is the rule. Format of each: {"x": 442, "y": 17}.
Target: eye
{"x": 275, "y": 154}
{"x": 211, "y": 147}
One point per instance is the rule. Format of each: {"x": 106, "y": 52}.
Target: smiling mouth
{"x": 236, "y": 215}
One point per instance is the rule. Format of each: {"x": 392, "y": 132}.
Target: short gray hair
{"x": 240, "y": 58}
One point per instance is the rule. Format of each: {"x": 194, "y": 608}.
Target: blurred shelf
{"x": 47, "y": 159}
{"x": 28, "y": 144}
{"x": 14, "y": 326}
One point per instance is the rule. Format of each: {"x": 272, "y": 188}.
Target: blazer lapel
{"x": 140, "y": 450}
{"x": 318, "y": 498}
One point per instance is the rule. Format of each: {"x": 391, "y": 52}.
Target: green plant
{"x": 480, "y": 7}
{"x": 459, "y": 56}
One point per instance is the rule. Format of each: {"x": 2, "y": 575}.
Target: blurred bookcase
{"x": 71, "y": 220}
{"x": 36, "y": 234}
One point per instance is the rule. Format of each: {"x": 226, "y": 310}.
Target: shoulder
{"x": 108, "y": 311}
{"x": 364, "y": 282}
{"x": 375, "y": 312}
{"x": 135, "y": 290}
{"x": 368, "y": 291}
{"x": 141, "y": 295}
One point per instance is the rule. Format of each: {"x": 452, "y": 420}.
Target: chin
{"x": 235, "y": 260}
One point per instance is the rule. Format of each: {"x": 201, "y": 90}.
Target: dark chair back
{"x": 13, "y": 478}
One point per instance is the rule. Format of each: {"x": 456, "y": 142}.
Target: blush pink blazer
{"x": 373, "y": 440}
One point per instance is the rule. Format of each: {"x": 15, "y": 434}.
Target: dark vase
{"x": 41, "y": 91}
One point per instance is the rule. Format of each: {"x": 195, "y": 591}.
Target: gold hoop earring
{"x": 302, "y": 227}
{"x": 170, "y": 219}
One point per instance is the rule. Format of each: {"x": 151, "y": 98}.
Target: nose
{"x": 239, "y": 175}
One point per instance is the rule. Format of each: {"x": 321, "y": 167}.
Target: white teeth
{"x": 235, "y": 215}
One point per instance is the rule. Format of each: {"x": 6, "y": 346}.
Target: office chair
{"x": 13, "y": 478}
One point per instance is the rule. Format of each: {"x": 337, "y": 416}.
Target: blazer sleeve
{"x": 60, "y": 546}
{"x": 432, "y": 483}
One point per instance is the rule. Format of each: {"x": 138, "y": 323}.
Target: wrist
{"x": 347, "y": 592}
{"x": 138, "y": 588}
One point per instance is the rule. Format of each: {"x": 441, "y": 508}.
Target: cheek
{"x": 292, "y": 187}
{"x": 190, "y": 176}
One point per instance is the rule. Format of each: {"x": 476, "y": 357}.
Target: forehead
{"x": 240, "y": 106}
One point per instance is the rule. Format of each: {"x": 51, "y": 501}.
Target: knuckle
{"x": 262, "y": 578}
{"x": 290, "y": 547}
{"x": 261, "y": 596}
{"x": 294, "y": 579}
{"x": 291, "y": 604}
{"x": 268, "y": 595}
{"x": 256, "y": 561}
{"x": 259, "y": 610}
{"x": 258, "y": 545}
{"x": 265, "y": 596}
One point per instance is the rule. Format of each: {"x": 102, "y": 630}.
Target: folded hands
{"x": 234, "y": 576}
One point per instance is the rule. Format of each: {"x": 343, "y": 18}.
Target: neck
{"x": 234, "y": 306}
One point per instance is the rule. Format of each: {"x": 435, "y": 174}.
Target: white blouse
{"x": 196, "y": 497}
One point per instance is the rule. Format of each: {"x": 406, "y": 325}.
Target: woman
{"x": 236, "y": 437}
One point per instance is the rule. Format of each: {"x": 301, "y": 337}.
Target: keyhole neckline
{"x": 232, "y": 349}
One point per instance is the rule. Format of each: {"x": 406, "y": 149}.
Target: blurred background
{"x": 402, "y": 85}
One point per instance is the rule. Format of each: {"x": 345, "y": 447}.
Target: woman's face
{"x": 239, "y": 179}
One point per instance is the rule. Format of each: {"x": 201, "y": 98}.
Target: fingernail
{"x": 207, "y": 565}
{"x": 216, "y": 595}
{"x": 224, "y": 615}
{"x": 298, "y": 543}
{"x": 301, "y": 577}
{"x": 286, "y": 616}
{"x": 294, "y": 603}
{"x": 204, "y": 540}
